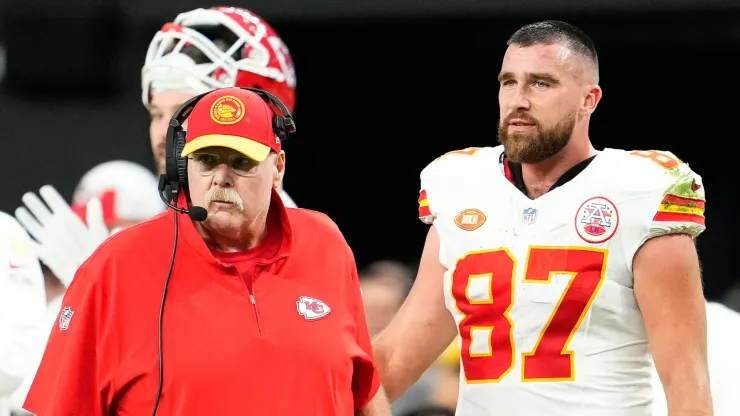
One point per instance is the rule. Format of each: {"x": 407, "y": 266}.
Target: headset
{"x": 175, "y": 180}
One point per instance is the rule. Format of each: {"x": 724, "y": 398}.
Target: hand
{"x": 63, "y": 241}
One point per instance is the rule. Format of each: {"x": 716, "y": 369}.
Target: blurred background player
{"x": 22, "y": 307}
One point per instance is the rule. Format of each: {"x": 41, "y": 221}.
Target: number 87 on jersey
{"x": 484, "y": 287}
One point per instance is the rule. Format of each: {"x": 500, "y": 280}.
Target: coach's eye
{"x": 206, "y": 159}
{"x": 241, "y": 163}
{"x": 541, "y": 84}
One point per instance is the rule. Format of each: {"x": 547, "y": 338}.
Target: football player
{"x": 562, "y": 268}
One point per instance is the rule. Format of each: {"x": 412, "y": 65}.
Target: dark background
{"x": 383, "y": 88}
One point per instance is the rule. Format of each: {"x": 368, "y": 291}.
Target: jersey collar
{"x": 513, "y": 172}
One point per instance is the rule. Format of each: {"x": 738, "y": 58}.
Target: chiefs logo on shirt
{"x": 311, "y": 308}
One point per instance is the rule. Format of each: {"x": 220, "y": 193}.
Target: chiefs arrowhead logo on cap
{"x": 470, "y": 219}
{"x": 227, "y": 110}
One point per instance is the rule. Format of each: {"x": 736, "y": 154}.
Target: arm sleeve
{"x": 365, "y": 379}
{"x": 681, "y": 209}
{"x": 74, "y": 377}
{"x": 22, "y": 304}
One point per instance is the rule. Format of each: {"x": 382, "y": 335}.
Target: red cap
{"x": 235, "y": 118}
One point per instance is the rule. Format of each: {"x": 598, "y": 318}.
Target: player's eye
{"x": 541, "y": 84}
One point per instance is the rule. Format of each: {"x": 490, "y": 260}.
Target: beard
{"x": 538, "y": 145}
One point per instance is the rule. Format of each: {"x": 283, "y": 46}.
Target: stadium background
{"x": 383, "y": 88}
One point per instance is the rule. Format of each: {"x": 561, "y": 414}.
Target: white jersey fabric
{"x": 22, "y": 306}
{"x": 542, "y": 290}
{"x": 723, "y": 339}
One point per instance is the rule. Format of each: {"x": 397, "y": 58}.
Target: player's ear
{"x": 591, "y": 99}
{"x": 279, "y": 170}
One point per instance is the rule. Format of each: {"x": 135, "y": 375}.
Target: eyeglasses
{"x": 206, "y": 163}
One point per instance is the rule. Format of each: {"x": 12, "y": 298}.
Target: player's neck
{"x": 229, "y": 241}
{"x": 541, "y": 176}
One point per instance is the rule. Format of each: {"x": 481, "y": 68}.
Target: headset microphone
{"x": 195, "y": 212}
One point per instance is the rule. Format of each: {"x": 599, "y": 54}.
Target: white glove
{"x": 63, "y": 242}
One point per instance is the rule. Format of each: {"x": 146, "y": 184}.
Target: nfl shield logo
{"x": 65, "y": 317}
{"x": 529, "y": 215}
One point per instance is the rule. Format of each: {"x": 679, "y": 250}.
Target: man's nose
{"x": 223, "y": 176}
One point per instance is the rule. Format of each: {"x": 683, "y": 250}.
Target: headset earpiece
{"x": 182, "y": 162}
{"x": 278, "y": 126}
{"x": 172, "y": 161}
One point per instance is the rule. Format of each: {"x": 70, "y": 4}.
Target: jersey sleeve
{"x": 681, "y": 209}
{"x": 74, "y": 377}
{"x": 430, "y": 184}
{"x": 22, "y": 304}
{"x": 440, "y": 177}
{"x": 365, "y": 378}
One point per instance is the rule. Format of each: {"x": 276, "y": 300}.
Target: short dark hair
{"x": 549, "y": 32}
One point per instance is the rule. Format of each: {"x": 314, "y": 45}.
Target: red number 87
{"x": 550, "y": 359}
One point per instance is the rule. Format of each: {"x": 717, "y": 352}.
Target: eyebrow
{"x": 505, "y": 75}
{"x": 544, "y": 76}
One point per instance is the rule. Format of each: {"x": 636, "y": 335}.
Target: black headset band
{"x": 184, "y": 111}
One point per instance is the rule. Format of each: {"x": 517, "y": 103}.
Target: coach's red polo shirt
{"x": 301, "y": 348}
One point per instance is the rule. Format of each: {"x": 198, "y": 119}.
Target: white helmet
{"x": 127, "y": 191}
{"x": 251, "y": 54}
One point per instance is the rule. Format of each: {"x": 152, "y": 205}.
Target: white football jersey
{"x": 542, "y": 290}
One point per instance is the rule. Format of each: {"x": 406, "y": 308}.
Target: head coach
{"x": 229, "y": 303}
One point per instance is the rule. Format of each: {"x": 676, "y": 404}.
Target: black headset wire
{"x": 161, "y": 315}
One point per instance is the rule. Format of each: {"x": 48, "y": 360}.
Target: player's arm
{"x": 378, "y": 406}
{"x": 74, "y": 377}
{"x": 22, "y": 304}
{"x": 420, "y": 331}
{"x": 668, "y": 289}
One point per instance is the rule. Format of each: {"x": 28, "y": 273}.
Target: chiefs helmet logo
{"x": 470, "y": 219}
{"x": 311, "y": 308}
{"x": 227, "y": 110}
